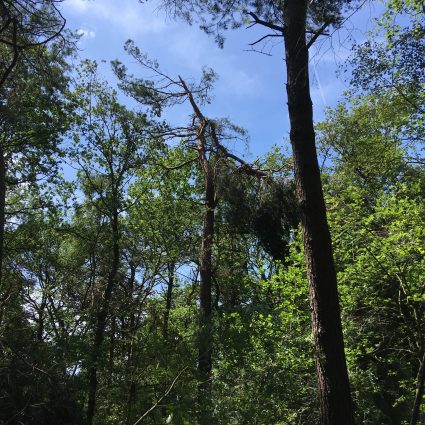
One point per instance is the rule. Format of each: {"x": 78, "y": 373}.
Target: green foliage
{"x": 217, "y": 17}
{"x": 380, "y": 258}
{"x": 395, "y": 66}
{"x": 376, "y": 213}
{"x": 266, "y": 371}
{"x": 60, "y": 238}
{"x": 266, "y": 211}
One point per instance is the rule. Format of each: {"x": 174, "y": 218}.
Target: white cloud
{"x": 192, "y": 48}
{"x": 189, "y": 51}
{"x": 77, "y": 5}
{"x": 86, "y": 33}
{"x": 127, "y": 15}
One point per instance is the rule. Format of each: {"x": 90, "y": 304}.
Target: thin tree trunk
{"x": 333, "y": 384}
{"x": 2, "y": 210}
{"x": 168, "y": 305}
{"x": 111, "y": 351}
{"x": 40, "y": 319}
{"x": 101, "y": 318}
{"x": 169, "y": 298}
{"x": 130, "y": 402}
{"x": 420, "y": 381}
{"x": 130, "y": 335}
{"x": 205, "y": 271}
{"x": 4, "y": 293}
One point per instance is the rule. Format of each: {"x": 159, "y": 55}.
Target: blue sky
{"x": 251, "y": 86}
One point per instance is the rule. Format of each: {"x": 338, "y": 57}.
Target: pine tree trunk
{"x": 101, "y": 318}
{"x": 420, "y": 380}
{"x": 333, "y": 383}
{"x": 205, "y": 270}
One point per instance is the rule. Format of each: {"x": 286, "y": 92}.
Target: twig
{"x": 181, "y": 165}
{"x": 258, "y": 51}
{"x": 162, "y": 397}
{"x": 264, "y": 37}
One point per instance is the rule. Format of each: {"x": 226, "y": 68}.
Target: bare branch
{"x": 264, "y": 37}
{"x": 244, "y": 166}
{"x": 270, "y": 25}
{"x": 154, "y": 406}
{"x": 318, "y": 33}
{"x": 258, "y": 51}
{"x": 181, "y": 165}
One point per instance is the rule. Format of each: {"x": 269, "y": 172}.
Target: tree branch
{"x": 270, "y": 25}
{"x": 192, "y": 100}
{"x": 318, "y": 33}
{"x": 162, "y": 397}
{"x": 244, "y": 167}
{"x": 177, "y": 167}
{"x": 264, "y": 37}
{"x": 14, "y": 61}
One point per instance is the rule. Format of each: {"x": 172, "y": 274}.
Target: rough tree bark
{"x": 205, "y": 297}
{"x": 101, "y": 319}
{"x": 333, "y": 384}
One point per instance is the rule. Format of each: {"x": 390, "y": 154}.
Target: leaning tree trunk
{"x": 333, "y": 383}
{"x": 100, "y": 323}
{"x": 420, "y": 381}
{"x": 205, "y": 271}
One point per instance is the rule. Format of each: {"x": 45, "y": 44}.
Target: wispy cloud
{"x": 195, "y": 50}
{"x": 240, "y": 83}
{"x": 124, "y": 15}
{"x": 86, "y": 33}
